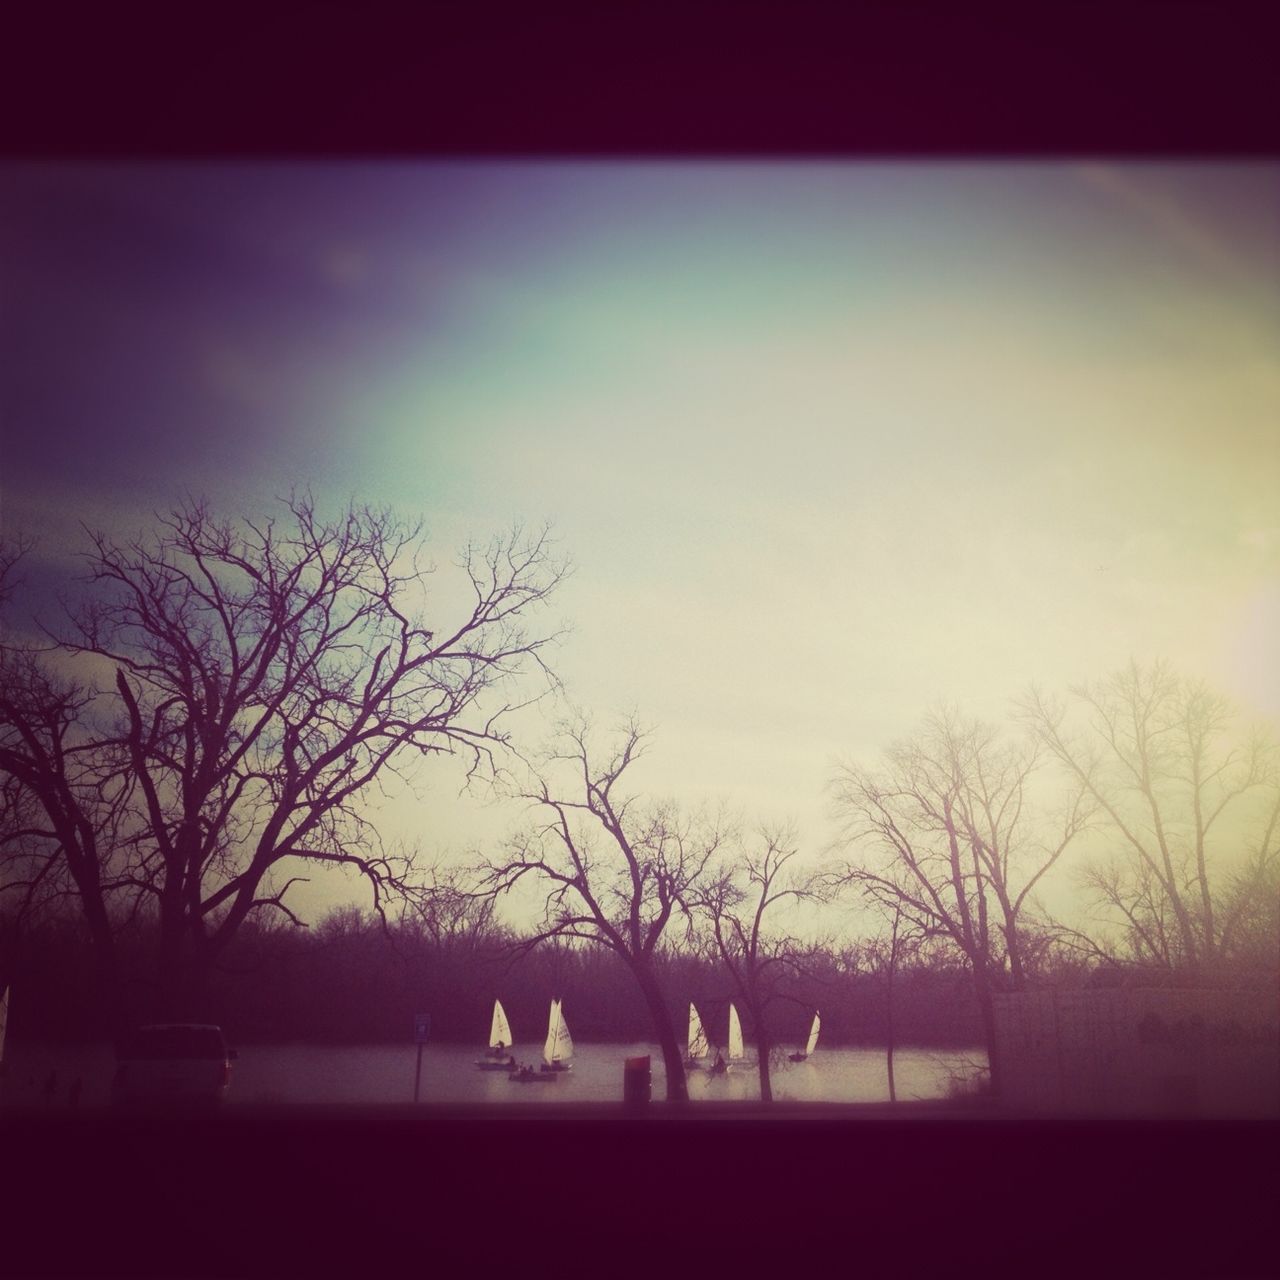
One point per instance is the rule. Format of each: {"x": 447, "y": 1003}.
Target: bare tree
{"x": 881, "y": 957}
{"x": 240, "y": 689}
{"x": 12, "y": 552}
{"x": 60, "y": 812}
{"x": 736, "y": 904}
{"x": 450, "y": 917}
{"x": 616, "y": 872}
{"x": 1161, "y": 758}
{"x": 943, "y": 834}
{"x": 26, "y": 881}
{"x": 1251, "y": 902}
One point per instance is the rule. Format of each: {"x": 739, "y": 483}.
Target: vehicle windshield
{"x": 175, "y": 1042}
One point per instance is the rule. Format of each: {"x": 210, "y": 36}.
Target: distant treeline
{"x": 349, "y": 979}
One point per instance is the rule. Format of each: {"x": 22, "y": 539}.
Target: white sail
{"x": 564, "y": 1041}
{"x": 559, "y": 1043}
{"x": 500, "y": 1031}
{"x": 735, "y": 1034}
{"x": 698, "y": 1046}
{"x": 548, "y": 1049}
{"x": 813, "y": 1033}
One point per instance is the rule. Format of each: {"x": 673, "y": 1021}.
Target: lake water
{"x": 298, "y": 1073}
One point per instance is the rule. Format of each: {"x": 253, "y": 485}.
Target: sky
{"x": 827, "y": 443}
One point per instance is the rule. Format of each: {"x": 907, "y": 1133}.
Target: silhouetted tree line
{"x": 350, "y": 980}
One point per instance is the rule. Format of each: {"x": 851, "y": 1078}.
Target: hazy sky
{"x": 826, "y": 442}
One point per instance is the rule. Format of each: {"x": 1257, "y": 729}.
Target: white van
{"x": 181, "y": 1062}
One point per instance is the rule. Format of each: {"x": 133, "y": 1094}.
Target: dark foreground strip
{"x": 594, "y": 1191}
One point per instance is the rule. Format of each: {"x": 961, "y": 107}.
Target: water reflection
{"x": 384, "y": 1073}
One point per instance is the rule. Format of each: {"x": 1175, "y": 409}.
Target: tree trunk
{"x": 987, "y": 1008}
{"x": 893, "y": 1093}
{"x": 106, "y": 966}
{"x": 672, "y": 1058}
{"x": 1013, "y": 948}
{"x": 170, "y": 992}
{"x": 184, "y": 980}
{"x": 763, "y": 1049}
{"x": 890, "y": 973}
{"x": 82, "y": 863}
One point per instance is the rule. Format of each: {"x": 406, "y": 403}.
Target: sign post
{"x": 421, "y": 1031}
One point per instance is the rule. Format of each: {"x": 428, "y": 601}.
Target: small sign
{"x": 421, "y": 1027}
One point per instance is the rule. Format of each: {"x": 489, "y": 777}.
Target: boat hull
{"x": 490, "y": 1064}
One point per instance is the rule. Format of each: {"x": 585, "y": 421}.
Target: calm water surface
{"x": 298, "y": 1073}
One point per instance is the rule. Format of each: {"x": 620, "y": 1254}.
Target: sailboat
{"x": 698, "y": 1046}
{"x": 497, "y": 1056}
{"x": 555, "y": 1052}
{"x": 737, "y": 1053}
{"x": 559, "y": 1047}
{"x": 801, "y": 1054}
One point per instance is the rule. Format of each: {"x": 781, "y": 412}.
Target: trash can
{"x": 636, "y": 1081}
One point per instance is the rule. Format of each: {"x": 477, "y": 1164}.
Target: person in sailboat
{"x": 719, "y": 1065}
